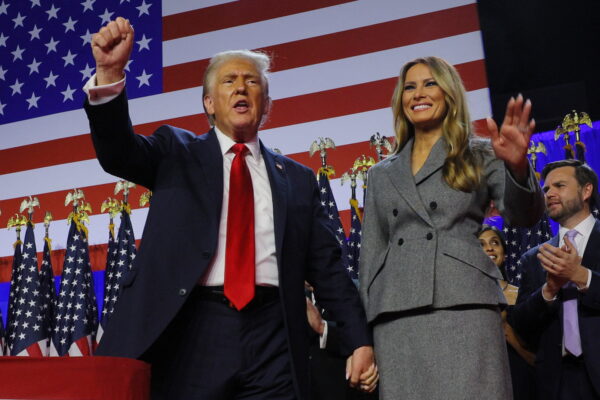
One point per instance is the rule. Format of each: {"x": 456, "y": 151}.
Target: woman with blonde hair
{"x": 431, "y": 294}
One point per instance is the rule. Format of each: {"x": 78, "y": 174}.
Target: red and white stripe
{"x": 334, "y": 70}
{"x": 38, "y": 349}
{"x": 79, "y": 348}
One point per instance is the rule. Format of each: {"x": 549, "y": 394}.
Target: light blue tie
{"x": 570, "y": 317}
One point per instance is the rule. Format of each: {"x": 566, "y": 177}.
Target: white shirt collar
{"x": 584, "y": 228}
{"x": 225, "y": 142}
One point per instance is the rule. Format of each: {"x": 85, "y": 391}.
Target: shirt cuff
{"x": 98, "y": 95}
{"x": 544, "y": 297}
{"x": 323, "y": 337}
{"x": 589, "y": 281}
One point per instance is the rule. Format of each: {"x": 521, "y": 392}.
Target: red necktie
{"x": 239, "y": 255}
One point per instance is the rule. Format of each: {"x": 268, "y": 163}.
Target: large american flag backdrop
{"x": 335, "y": 64}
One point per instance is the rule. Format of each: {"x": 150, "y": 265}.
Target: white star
{"x": 87, "y": 38}
{"x": 70, "y": 25}
{"x": 127, "y": 66}
{"x": 18, "y": 53}
{"x": 2, "y": 108}
{"x": 51, "y": 45}
{"x": 2, "y": 72}
{"x": 33, "y": 101}
{"x": 3, "y": 39}
{"x": 143, "y": 9}
{"x": 19, "y": 20}
{"x": 52, "y": 12}
{"x": 34, "y": 66}
{"x": 87, "y": 72}
{"x": 144, "y": 79}
{"x": 16, "y": 87}
{"x": 106, "y": 16}
{"x": 88, "y": 5}
{"x": 69, "y": 58}
{"x": 35, "y": 3}
{"x": 144, "y": 43}
{"x": 3, "y": 8}
{"x": 50, "y": 81}
{"x": 68, "y": 94}
{"x": 35, "y": 33}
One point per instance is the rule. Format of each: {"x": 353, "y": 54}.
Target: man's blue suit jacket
{"x": 185, "y": 173}
{"x": 540, "y": 324}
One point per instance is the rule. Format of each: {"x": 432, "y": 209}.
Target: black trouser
{"x": 212, "y": 351}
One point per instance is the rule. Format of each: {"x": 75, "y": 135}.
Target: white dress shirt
{"x": 264, "y": 227}
{"x": 584, "y": 230}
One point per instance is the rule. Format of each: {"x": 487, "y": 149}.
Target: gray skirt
{"x": 448, "y": 354}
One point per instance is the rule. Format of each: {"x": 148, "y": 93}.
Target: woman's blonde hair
{"x": 462, "y": 168}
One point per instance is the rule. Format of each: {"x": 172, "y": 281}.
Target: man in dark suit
{"x": 558, "y": 306}
{"x": 215, "y": 297}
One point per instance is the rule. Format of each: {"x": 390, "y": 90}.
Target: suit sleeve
{"x": 375, "y": 237}
{"x": 334, "y": 289}
{"x": 519, "y": 205}
{"x": 119, "y": 150}
{"x": 532, "y": 313}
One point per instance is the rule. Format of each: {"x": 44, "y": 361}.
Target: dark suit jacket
{"x": 185, "y": 173}
{"x": 540, "y": 324}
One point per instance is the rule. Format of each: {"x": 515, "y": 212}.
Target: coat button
{"x": 429, "y": 236}
{"x": 182, "y": 292}
{"x": 433, "y": 205}
{"x": 395, "y": 212}
{"x": 400, "y": 242}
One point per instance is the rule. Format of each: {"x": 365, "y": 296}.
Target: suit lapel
{"x": 207, "y": 152}
{"x": 279, "y": 192}
{"x": 592, "y": 249}
{"x": 435, "y": 161}
{"x": 400, "y": 174}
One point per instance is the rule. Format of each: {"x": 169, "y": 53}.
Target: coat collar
{"x": 400, "y": 174}
{"x": 435, "y": 161}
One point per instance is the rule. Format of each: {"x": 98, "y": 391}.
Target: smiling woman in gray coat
{"x": 431, "y": 294}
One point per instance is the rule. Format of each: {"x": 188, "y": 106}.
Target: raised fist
{"x": 111, "y": 47}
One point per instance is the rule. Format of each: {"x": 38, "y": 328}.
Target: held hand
{"x": 314, "y": 317}
{"x": 511, "y": 142}
{"x": 111, "y": 48}
{"x": 361, "y": 369}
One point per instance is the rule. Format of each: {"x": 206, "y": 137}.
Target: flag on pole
{"x": 123, "y": 255}
{"x": 29, "y": 336}
{"x": 353, "y": 243}
{"x": 330, "y": 206}
{"x": 76, "y": 317}
{"x": 15, "y": 282}
{"x": 47, "y": 287}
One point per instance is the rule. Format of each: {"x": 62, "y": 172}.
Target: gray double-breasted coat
{"x": 430, "y": 293}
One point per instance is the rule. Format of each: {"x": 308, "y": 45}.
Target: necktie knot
{"x": 239, "y": 148}
{"x": 571, "y": 234}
